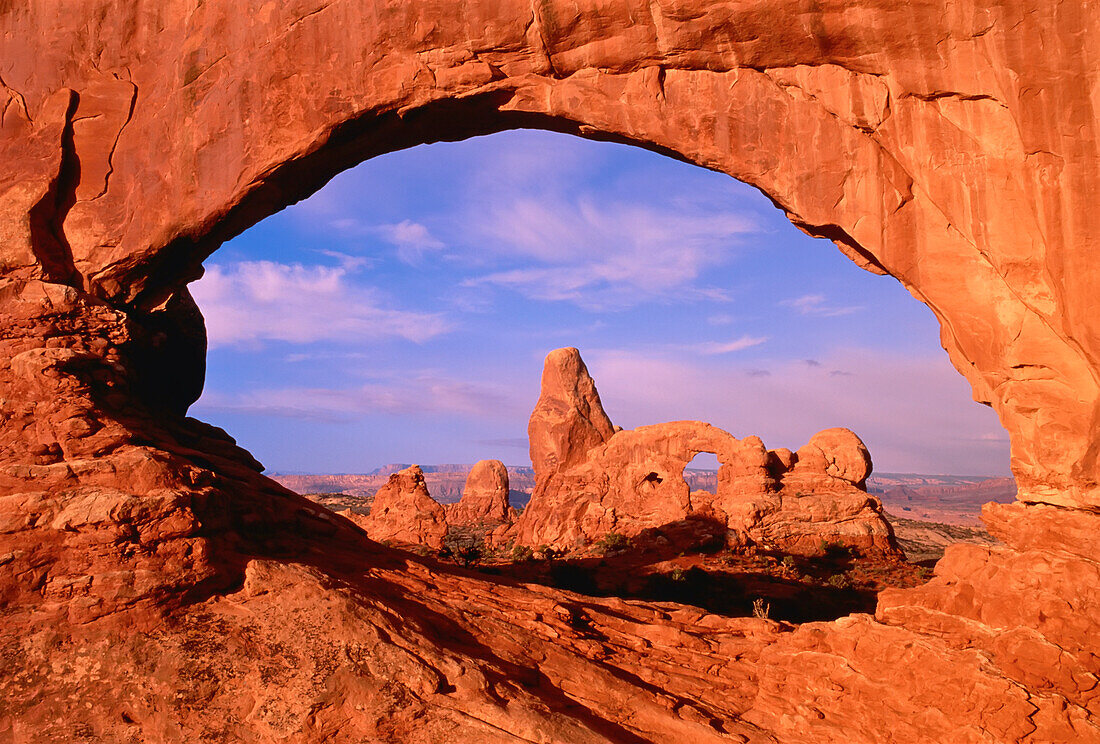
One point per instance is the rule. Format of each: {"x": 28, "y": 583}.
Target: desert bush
{"x": 677, "y": 574}
{"x": 839, "y": 581}
{"x": 760, "y": 608}
{"x": 464, "y": 547}
{"x": 788, "y": 561}
{"x": 522, "y": 554}
{"x": 613, "y": 542}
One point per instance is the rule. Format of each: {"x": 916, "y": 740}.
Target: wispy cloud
{"x": 607, "y": 255}
{"x": 413, "y": 240}
{"x": 816, "y": 304}
{"x": 415, "y": 394}
{"x": 728, "y": 347}
{"x": 347, "y": 261}
{"x": 250, "y": 302}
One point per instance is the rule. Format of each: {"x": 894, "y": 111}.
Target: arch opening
{"x": 701, "y": 474}
{"x": 377, "y": 248}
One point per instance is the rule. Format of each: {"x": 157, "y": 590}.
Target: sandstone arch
{"x": 593, "y": 478}
{"x": 953, "y": 147}
{"x": 951, "y": 176}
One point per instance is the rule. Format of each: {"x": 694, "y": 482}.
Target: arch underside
{"x": 953, "y": 149}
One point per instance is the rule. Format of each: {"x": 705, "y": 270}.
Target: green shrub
{"x": 788, "y": 561}
{"x": 522, "y": 554}
{"x": 839, "y": 581}
{"x": 677, "y": 574}
{"x": 613, "y": 542}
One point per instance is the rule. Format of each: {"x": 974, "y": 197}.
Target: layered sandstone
{"x": 633, "y": 480}
{"x": 156, "y": 586}
{"x": 403, "y": 511}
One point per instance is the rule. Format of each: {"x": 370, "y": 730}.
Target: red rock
{"x": 634, "y": 482}
{"x": 403, "y": 511}
{"x": 485, "y": 499}
{"x": 838, "y": 453}
{"x": 568, "y": 419}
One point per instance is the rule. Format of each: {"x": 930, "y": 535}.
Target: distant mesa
{"x": 397, "y": 467}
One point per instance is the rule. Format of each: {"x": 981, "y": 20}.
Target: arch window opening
{"x": 401, "y": 315}
{"x": 701, "y": 474}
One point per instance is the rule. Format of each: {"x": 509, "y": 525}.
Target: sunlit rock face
{"x": 631, "y": 482}
{"x": 403, "y": 511}
{"x": 568, "y": 419}
{"x": 953, "y": 146}
{"x": 485, "y": 497}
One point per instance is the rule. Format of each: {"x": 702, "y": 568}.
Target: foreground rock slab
{"x": 316, "y": 648}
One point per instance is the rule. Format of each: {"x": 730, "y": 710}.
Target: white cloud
{"x": 914, "y": 411}
{"x": 413, "y": 240}
{"x": 255, "y": 301}
{"x": 727, "y": 347}
{"x": 815, "y": 304}
{"x": 347, "y": 261}
{"x": 608, "y": 255}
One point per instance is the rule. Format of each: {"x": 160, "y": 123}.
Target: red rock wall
{"x": 951, "y": 148}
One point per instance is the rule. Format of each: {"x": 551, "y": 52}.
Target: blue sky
{"x": 402, "y": 313}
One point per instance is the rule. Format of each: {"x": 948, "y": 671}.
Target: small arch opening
{"x": 701, "y": 474}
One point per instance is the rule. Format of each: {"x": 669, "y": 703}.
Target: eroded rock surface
{"x": 143, "y": 555}
{"x": 404, "y": 511}
{"x": 568, "y": 419}
{"x": 633, "y": 480}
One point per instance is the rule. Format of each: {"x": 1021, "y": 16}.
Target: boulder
{"x": 484, "y": 499}
{"x": 838, "y": 453}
